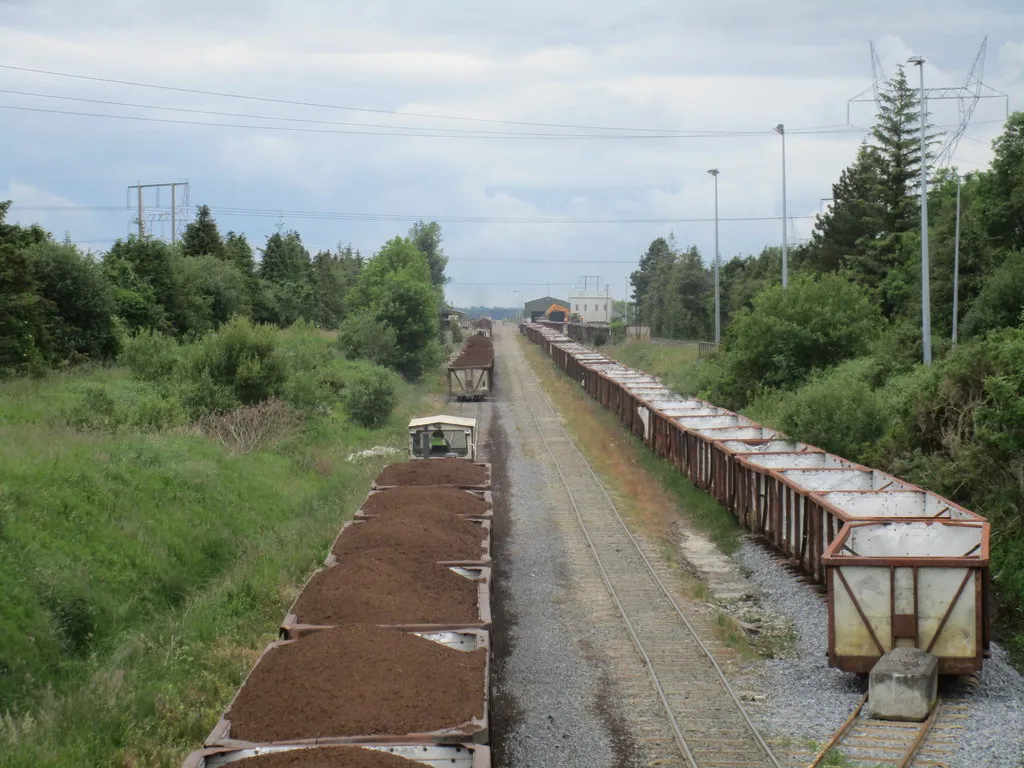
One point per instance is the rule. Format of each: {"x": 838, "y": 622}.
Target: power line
{"x": 331, "y": 216}
{"x": 422, "y": 132}
{"x": 270, "y": 100}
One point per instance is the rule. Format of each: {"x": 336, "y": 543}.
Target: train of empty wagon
{"x": 904, "y": 567}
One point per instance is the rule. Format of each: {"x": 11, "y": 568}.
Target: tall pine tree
{"x": 202, "y": 238}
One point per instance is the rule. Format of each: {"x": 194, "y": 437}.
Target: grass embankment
{"x": 143, "y": 569}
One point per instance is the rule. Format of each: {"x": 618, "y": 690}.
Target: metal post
{"x": 781, "y": 130}
{"x": 140, "y": 210}
{"x": 926, "y": 314}
{"x": 718, "y": 309}
{"x": 956, "y": 259}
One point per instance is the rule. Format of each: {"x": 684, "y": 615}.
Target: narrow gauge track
{"x": 708, "y": 721}
{"x": 865, "y": 741}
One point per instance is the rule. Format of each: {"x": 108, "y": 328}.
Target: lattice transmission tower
{"x": 967, "y": 97}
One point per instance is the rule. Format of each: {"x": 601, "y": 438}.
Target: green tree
{"x": 23, "y": 333}
{"x": 80, "y": 301}
{"x": 202, "y": 238}
{"x": 683, "y": 307}
{"x": 17, "y": 235}
{"x": 151, "y": 263}
{"x": 855, "y": 217}
{"x": 285, "y": 259}
{"x": 238, "y": 252}
{"x": 210, "y": 292}
{"x": 790, "y": 333}
{"x": 427, "y": 237}
{"x": 395, "y": 287}
{"x": 646, "y": 279}
{"x": 1004, "y": 187}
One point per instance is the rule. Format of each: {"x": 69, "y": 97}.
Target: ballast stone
{"x": 903, "y": 685}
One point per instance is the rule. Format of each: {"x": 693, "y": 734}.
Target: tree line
{"x": 60, "y": 306}
{"x": 871, "y": 236}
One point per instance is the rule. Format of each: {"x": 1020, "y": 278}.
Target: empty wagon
{"x": 908, "y": 584}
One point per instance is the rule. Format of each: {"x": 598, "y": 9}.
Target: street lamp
{"x": 781, "y": 130}
{"x": 926, "y": 313}
{"x": 718, "y": 313}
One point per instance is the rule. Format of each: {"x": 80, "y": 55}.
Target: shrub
{"x": 151, "y": 355}
{"x": 370, "y": 397}
{"x": 241, "y": 358}
{"x": 788, "y": 334}
{"x": 836, "y": 410}
{"x": 252, "y": 427}
{"x": 362, "y": 336}
{"x": 108, "y": 409}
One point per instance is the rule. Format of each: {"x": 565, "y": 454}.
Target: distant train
{"x": 904, "y": 567}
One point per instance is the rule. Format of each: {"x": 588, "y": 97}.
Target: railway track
{"x": 708, "y": 722}
{"x": 864, "y": 742}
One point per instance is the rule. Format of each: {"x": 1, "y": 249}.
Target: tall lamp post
{"x": 956, "y": 259}
{"x": 718, "y": 313}
{"x": 926, "y": 313}
{"x": 781, "y": 130}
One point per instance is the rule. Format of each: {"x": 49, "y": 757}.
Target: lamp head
{"x": 779, "y": 129}
{"x": 916, "y": 60}
{"x": 713, "y": 171}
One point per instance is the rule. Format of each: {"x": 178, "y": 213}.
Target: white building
{"x": 592, "y": 306}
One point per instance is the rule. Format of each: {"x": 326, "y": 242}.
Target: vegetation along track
{"x": 710, "y": 725}
{"x": 863, "y": 741}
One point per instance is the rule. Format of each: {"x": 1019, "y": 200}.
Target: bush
{"x": 362, "y": 336}
{"x": 151, "y": 355}
{"x": 837, "y": 410}
{"x": 240, "y": 358}
{"x": 109, "y": 409}
{"x": 371, "y": 396}
{"x": 790, "y": 333}
{"x": 250, "y": 428}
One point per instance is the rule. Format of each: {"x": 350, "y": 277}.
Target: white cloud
{"x": 730, "y": 65}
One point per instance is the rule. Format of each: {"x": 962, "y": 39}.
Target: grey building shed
{"x": 537, "y": 307}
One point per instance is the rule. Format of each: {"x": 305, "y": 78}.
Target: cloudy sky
{"x": 493, "y": 121}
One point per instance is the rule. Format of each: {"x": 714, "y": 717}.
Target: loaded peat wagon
{"x": 913, "y": 583}
{"x": 471, "y": 373}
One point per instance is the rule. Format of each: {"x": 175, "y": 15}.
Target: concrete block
{"x": 903, "y": 685}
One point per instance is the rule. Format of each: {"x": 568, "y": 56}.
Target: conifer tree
{"x": 201, "y": 237}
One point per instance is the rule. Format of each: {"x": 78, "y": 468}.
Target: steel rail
{"x": 909, "y": 754}
{"x": 677, "y": 731}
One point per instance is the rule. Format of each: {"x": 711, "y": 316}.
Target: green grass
{"x": 143, "y": 570}
{"x": 675, "y": 364}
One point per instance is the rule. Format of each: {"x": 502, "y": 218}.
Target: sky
{"x": 552, "y": 140}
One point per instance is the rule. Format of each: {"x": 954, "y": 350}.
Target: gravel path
{"x": 553, "y": 704}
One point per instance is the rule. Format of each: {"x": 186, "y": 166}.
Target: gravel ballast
{"x": 551, "y": 705}
{"x": 810, "y": 700}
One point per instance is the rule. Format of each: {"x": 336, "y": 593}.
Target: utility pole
{"x": 956, "y": 258}
{"x": 926, "y": 315}
{"x": 161, "y": 215}
{"x": 718, "y": 310}
{"x": 140, "y": 213}
{"x": 781, "y": 130}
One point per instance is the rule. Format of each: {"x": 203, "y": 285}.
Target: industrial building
{"x": 591, "y": 306}
{"x": 535, "y": 309}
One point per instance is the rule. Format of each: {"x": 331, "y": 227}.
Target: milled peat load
{"x": 387, "y": 644}
{"x": 471, "y": 372}
{"x": 422, "y": 533}
{"x": 457, "y": 473}
{"x": 360, "y": 682}
{"x": 382, "y": 586}
{"x": 405, "y": 500}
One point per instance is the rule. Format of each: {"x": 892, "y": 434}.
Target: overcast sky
{"x": 666, "y": 66}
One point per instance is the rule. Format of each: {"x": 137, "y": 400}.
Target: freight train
{"x": 903, "y": 566}
{"x": 471, "y": 372}
{"x": 383, "y": 659}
